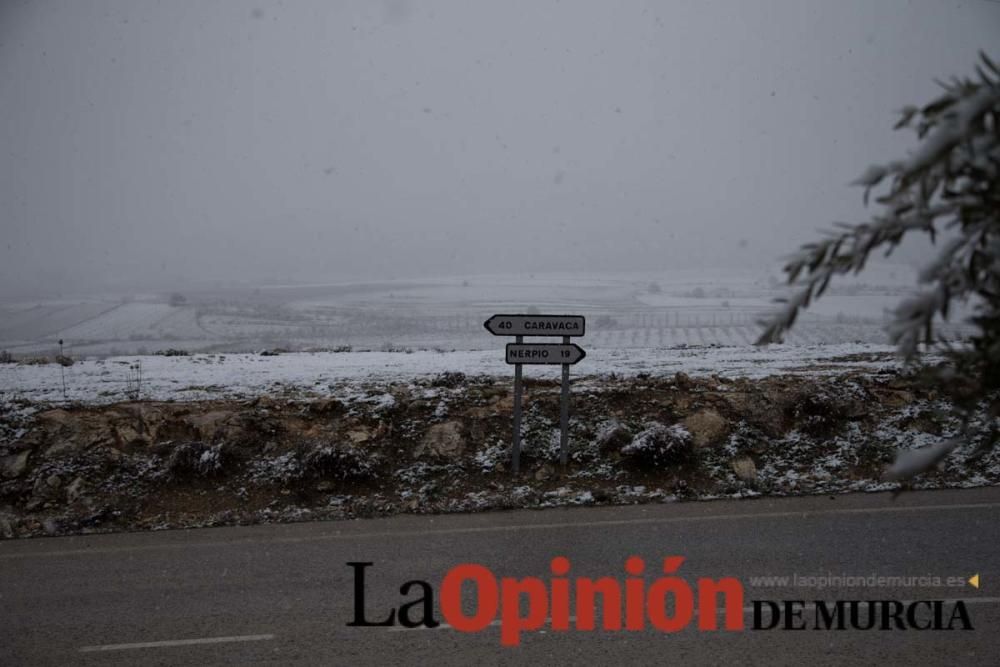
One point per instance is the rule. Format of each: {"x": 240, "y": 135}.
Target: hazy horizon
{"x": 152, "y": 145}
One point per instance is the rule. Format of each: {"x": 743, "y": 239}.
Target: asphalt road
{"x": 283, "y": 594}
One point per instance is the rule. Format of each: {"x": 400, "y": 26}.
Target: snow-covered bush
{"x": 820, "y": 412}
{"x": 744, "y": 439}
{"x": 312, "y": 461}
{"x": 196, "y": 458}
{"x": 541, "y": 443}
{"x": 337, "y": 461}
{"x": 659, "y": 445}
{"x": 493, "y": 457}
{"x": 282, "y": 469}
{"x": 611, "y": 436}
{"x": 449, "y": 379}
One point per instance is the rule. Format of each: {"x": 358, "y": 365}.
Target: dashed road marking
{"x": 176, "y": 642}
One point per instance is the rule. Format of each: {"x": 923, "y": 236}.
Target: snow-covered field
{"x": 234, "y": 375}
{"x": 624, "y": 311}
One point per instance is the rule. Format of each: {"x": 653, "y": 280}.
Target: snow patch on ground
{"x": 200, "y": 377}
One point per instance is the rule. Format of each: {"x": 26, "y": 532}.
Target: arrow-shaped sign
{"x": 536, "y": 325}
{"x": 544, "y": 353}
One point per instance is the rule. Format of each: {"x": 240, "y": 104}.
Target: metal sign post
{"x": 564, "y": 412}
{"x": 519, "y": 353}
{"x": 515, "y": 452}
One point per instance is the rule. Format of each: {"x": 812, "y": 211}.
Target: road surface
{"x": 283, "y": 594}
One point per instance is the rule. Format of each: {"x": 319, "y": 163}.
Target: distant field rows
{"x": 112, "y": 338}
{"x": 719, "y": 311}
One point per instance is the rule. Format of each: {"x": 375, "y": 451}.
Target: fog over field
{"x": 162, "y": 146}
{"x": 471, "y": 278}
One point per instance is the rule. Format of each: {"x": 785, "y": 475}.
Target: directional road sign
{"x": 544, "y": 353}
{"x": 536, "y": 325}
{"x": 520, "y": 353}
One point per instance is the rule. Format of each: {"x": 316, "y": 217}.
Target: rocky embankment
{"x": 441, "y": 445}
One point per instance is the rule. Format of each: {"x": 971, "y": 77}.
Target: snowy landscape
{"x": 314, "y": 338}
{"x": 708, "y": 308}
{"x": 380, "y": 332}
{"x": 337, "y": 401}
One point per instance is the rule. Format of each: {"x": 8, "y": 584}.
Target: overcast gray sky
{"x": 152, "y": 143}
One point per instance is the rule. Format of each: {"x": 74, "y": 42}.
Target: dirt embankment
{"x": 442, "y": 445}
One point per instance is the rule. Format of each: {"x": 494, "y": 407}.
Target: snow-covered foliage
{"x": 338, "y": 462}
{"x": 195, "y": 458}
{"x": 492, "y": 457}
{"x": 225, "y": 462}
{"x": 660, "y": 445}
{"x": 948, "y": 186}
{"x": 316, "y": 462}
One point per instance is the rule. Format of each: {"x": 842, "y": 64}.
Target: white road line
{"x": 719, "y": 611}
{"x": 176, "y": 642}
{"x": 339, "y": 535}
